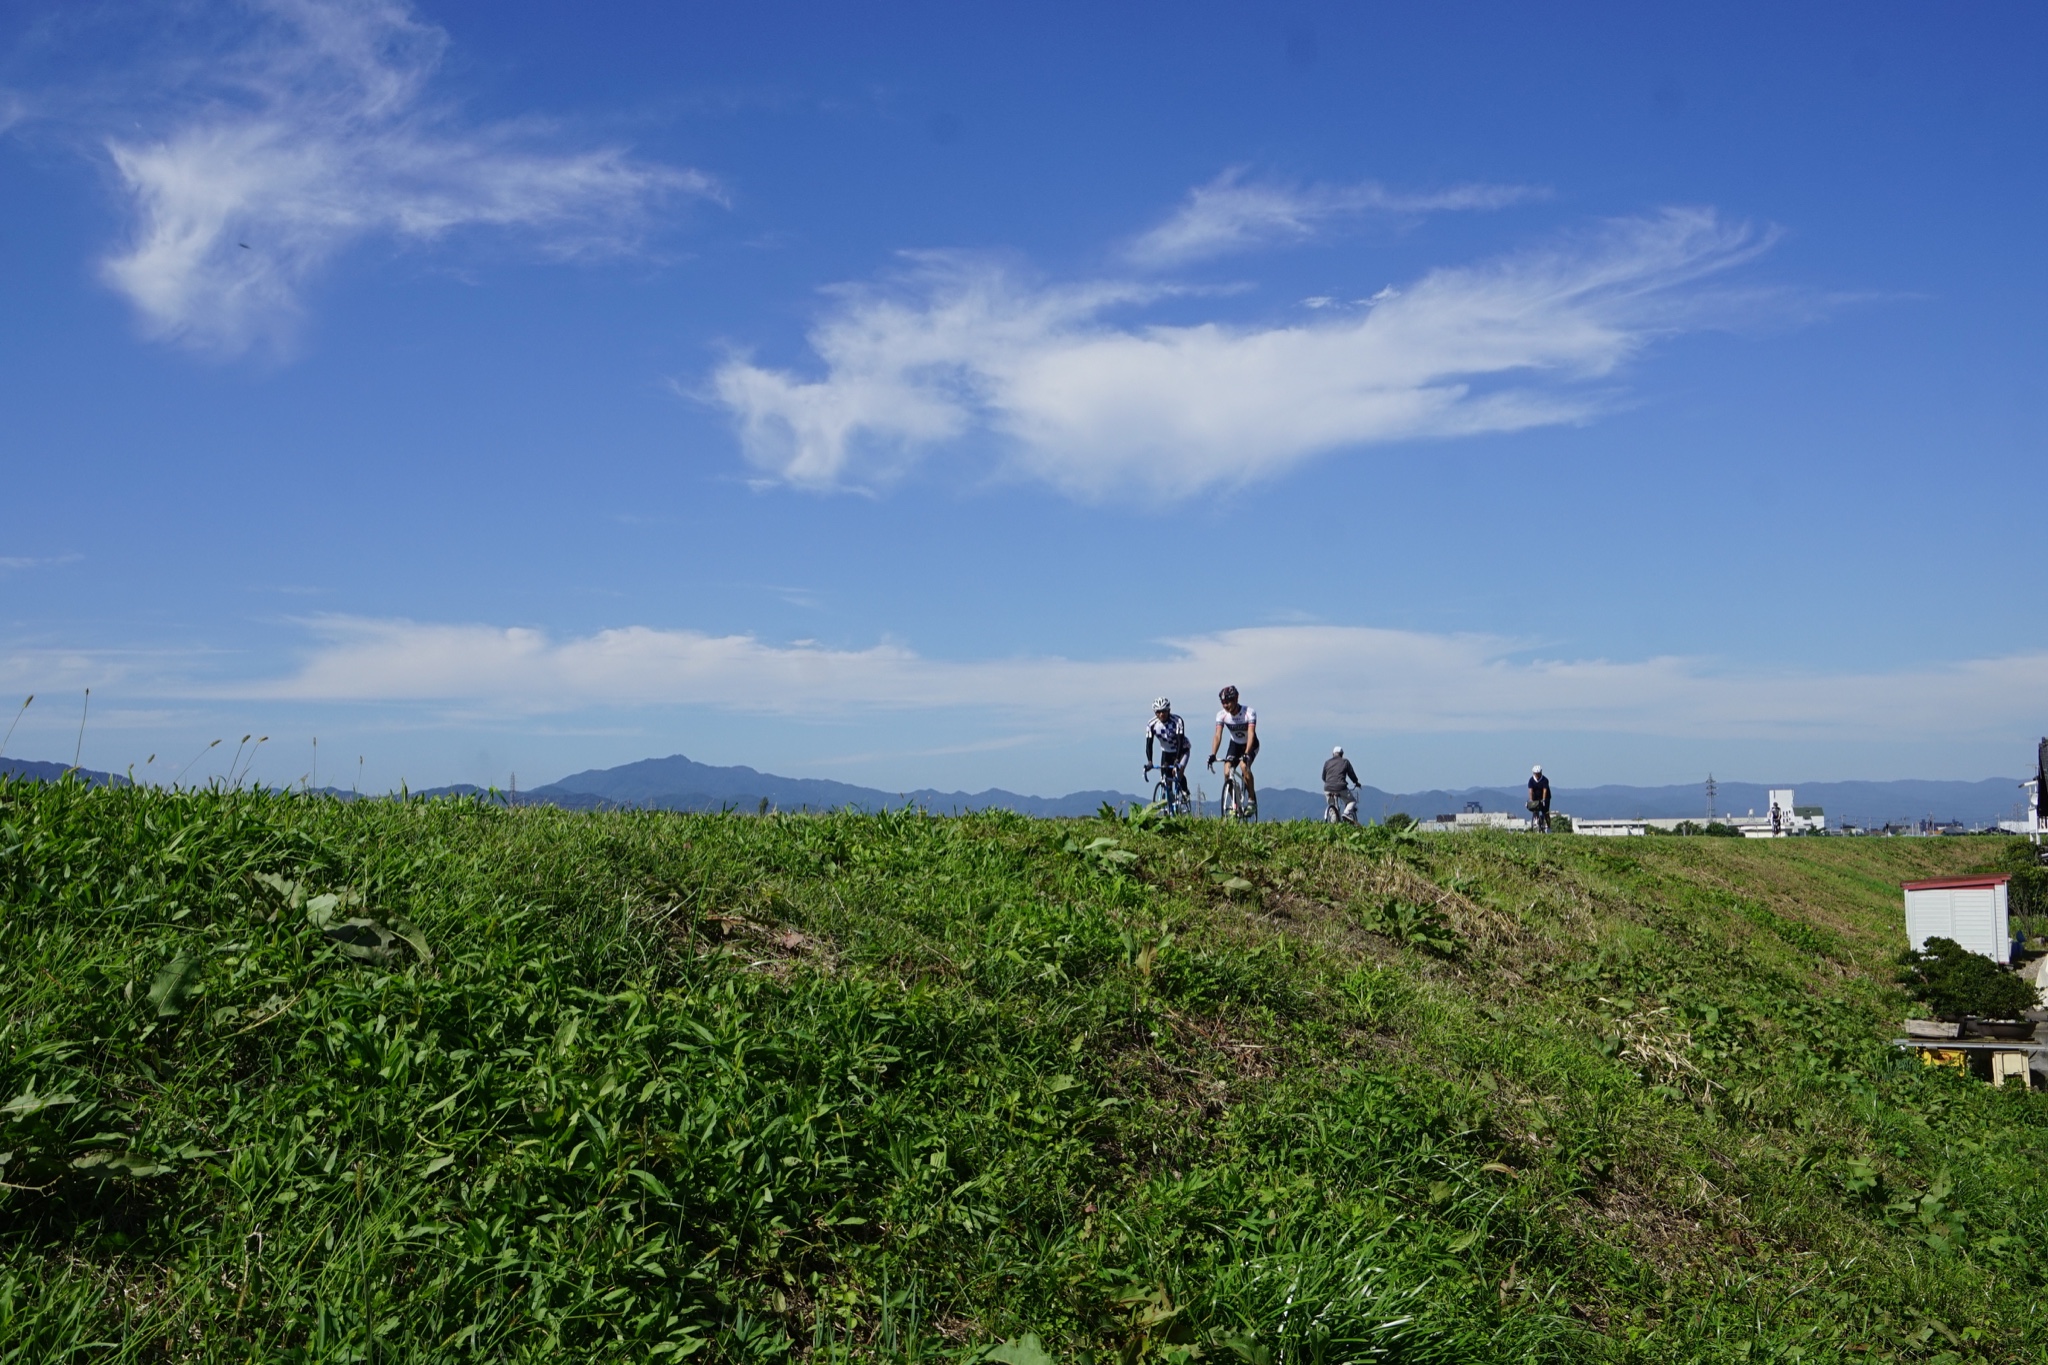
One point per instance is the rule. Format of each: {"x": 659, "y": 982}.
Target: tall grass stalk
{"x": 21, "y": 711}
{"x": 78, "y": 751}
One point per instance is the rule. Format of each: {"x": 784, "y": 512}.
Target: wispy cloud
{"x": 1233, "y": 213}
{"x": 1362, "y": 678}
{"x": 13, "y": 562}
{"x": 1065, "y": 390}
{"x": 317, "y": 130}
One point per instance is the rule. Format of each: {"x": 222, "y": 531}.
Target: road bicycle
{"x": 1238, "y": 803}
{"x": 1170, "y": 792}
{"x": 1340, "y": 808}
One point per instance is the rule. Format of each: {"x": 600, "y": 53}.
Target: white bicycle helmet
{"x": 1536, "y": 771}
{"x": 1161, "y": 704}
{"x": 1337, "y": 752}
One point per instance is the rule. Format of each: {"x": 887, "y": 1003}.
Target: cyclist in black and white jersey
{"x": 1243, "y": 724}
{"x": 1170, "y": 733}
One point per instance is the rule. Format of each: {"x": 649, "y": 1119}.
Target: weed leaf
{"x": 173, "y": 985}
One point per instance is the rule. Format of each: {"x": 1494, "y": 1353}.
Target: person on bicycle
{"x": 1339, "y": 777}
{"x": 1539, "y": 799}
{"x": 1170, "y": 733}
{"x": 1243, "y": 724}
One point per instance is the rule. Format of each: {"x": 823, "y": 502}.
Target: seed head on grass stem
{"x": 80, "y": 749}
{"x": 190, "y": 761}
{"x": 17, "y": 721}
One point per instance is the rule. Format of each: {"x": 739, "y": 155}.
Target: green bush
{"x": 2029, "y": 890}
{"x": 1953, "y": 981}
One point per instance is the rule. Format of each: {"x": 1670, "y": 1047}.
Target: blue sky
{"x": 905, "y": 395}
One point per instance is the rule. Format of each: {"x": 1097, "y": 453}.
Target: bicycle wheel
{"x": 1163, "y": 794}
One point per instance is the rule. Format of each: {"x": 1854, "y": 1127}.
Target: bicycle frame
{"x": 1238, "y": 801}
{"x": 1171, "y": 790}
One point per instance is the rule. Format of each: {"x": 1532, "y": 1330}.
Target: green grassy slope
{"x": 889, "y": 1087}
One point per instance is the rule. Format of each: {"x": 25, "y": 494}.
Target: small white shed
{"x": 1970, "y": 910}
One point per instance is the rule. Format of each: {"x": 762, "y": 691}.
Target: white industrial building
{"x": 1614, "y": 828}
{"x": 1470, "y": 819}
{"x": 2031, "y": 826}
{"x": 1792, "y": 819}
{"x": 1786, "y": 820}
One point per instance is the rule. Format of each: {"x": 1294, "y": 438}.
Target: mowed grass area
{"x": 850, "y": 1087}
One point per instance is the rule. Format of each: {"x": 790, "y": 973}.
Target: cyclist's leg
{"x": 1245, "y": 763}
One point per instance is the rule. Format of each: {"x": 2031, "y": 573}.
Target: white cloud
{"x": 11, "y": 562}
{"x": 1071, "y": 393}
{"x": 1384, "y": 682}
{"x": 1232, "y": 214}
{"x": 316, "y": 132}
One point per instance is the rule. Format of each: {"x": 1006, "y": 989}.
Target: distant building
{"x": 1471, "y": 818}
{"x": 1611, "y": 829}
{"x": 2032, "y": 826}
{"x": 1792, "y": 818}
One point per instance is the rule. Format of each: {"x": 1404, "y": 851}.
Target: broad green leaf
{"x": 30, "y": 1102}
{"x": 1025, "y": 1350}
{"x": 410, "y": 932}
{"x": 173, "y": 985}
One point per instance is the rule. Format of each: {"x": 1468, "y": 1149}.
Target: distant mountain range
{"x": 678, "y": 783}
{"x": 51, "y": 772}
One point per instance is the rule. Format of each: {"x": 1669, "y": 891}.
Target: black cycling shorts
{"x": 1237, "y": 753}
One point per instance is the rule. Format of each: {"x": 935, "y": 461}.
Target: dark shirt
{"x": 1336, "y": 769}
{"x": 1539, "y": 791}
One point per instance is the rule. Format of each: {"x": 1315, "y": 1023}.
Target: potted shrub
{"x": 1956, "y": 983}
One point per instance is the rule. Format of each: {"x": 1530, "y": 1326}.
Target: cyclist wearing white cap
{"x": 1170, "y": 733}
{"x": 1539, "y": 799}
{"x": 1339, "y": 777}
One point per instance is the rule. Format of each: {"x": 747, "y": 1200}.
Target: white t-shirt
{"x": 1240, "y": 724}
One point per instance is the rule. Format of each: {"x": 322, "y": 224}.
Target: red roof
{"x": 1944, "y": 883}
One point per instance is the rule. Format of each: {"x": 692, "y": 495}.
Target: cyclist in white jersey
{"x": 1170, "y": 733}
{"x": 1243, "y": 724}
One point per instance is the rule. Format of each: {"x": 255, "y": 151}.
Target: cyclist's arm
{"x": 1148, "y": 748}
